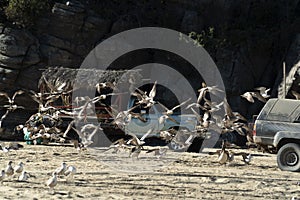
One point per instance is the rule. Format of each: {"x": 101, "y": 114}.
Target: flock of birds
{"x": 18, "y": 171}
{"x": 52, "y": 131}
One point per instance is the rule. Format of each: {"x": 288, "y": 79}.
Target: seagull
{"x": 162, "y": 119}
{"x": 61, "y": 170}
{"x": 19, "y": 168}
{"x": 144, "y": 98}
{"x": 87, "y": 136}
{"x": 11, "y": 101}
{"x": 167, "y": 135}
{"x": 2, "y": 175}
{"x": 263, "y": 91}
{"x": 70, "y": 172}
{"x": 224, "y": 156}
{"x": 295, "y": 94}
{"x": 251, "y": 95}
{"x": 211, "y": 89}
{"x": 138, "y": 143}
{"x": 103, "y": 85}
{"x": 11, "y": 106}
{"x": 117, "y": 145}
{"x": 247, "y": 158}
{"x": 171, "y": 111}
{"x": 122, "y": 118}
{"x": 23, "y": 177}
{"x": 159, "y": 151}
{"x": 52, "y": 182}
{"x": 9, "y": 170}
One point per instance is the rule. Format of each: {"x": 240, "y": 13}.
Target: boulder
{"x": 18, "y": 48}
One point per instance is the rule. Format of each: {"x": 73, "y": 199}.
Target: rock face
{"x": 249, "y": 42}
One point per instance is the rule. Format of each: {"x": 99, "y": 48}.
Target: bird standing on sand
{"x": 70, "y": 172}
{"x": 19, "y": 168}
{"x": 2, "y": 175}
{"x": 61, "y": 170}
{"x": 52, "y": 182}
{"x": 23, "y": 177}
{"x": 9, "y": 170}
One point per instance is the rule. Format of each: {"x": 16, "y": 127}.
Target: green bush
{"x": 25, "y": 12}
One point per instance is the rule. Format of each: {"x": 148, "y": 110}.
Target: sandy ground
{"x": 103, "y": 175}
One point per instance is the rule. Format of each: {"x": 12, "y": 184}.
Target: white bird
{"x": 100, "y": 86}
{"x": 202, "y": 91}
{"x": 70, "y": 172}
{"x": 263, "y": 91}
{"x": 250, "y": 96}
{"x": 171, "y": 111}
{"x": 19, "y": 168}
{"x": 86, "y": 134}
{"x": 144, "y": 98}
{"x": 9, "y": 170}
{"x": 61, "y": 170}
{"x": 162, "y": 119}
{"x": 11, "y": 100}
{"x": 52, "y": 182}
{"x": 23, "y": 177}
{"x": 11, "y": 106}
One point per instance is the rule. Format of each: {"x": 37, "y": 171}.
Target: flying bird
{"x": 260, "y": 94}
{"x": 171, "y": 111}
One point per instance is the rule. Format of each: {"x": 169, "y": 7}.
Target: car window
{"x": 297, "y": 119}
{"x": 282, "y": 111}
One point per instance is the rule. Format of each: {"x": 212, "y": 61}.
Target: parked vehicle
{"x": 277, "y": 130}
{"x": 186, "y": 123}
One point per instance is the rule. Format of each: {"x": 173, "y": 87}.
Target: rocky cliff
{"x": 250, "y": 40}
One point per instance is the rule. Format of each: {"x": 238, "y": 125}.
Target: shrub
{"x": 25, "y": 12}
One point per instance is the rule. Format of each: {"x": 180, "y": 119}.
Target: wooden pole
{"x": 284, "y": 81}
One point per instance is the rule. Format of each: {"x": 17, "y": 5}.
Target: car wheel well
{"x": 286, "y": 141}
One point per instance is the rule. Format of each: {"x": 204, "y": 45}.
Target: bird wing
{"x": 181, "y": 104}
{"x": 19, "y": 92}
{"x": 3, "y": 117}
{"x": 296, "y": 94}
{"x": 68, "y": 128}
{"x": 146, "y": 134}
{"x": 202, "y": 93}
{"x": 172, "y": 119}
{"x": 134, "y": 140}
{"x": 153, "y": 91}
{"x": 199, "y": 117}
{"x": 6, "y": 95}
{"x": 227, "y": 108}
{"x": 162, "y": 105}
{"x": 248, "y": 96}
{"x": 259, "y": 97}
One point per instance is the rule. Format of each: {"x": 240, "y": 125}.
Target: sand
{"x": 104, "y": 175}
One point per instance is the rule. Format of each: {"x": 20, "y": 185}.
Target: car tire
{"x": 288, "y": 157}
{"x": 177, "y": 147}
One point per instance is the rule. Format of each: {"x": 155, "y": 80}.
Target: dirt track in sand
{"x": 178, "y": 176}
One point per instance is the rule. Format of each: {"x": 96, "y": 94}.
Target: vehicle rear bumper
{"x": 263, "y": 140}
